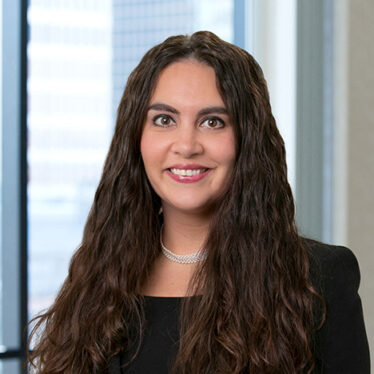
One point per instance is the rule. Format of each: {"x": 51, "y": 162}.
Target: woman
{"x": 190, "y": 260}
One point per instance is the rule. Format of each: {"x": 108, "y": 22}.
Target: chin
{"x": 192, "y": 207}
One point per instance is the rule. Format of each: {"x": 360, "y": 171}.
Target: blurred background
{"x": 64, "y": 65}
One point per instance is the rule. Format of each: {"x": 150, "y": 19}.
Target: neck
{"x": 184, "y": 233}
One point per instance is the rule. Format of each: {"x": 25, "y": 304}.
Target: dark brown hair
{"x": 256, "y": 311}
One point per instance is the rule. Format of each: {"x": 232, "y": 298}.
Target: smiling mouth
{"x": 187, "y": 172}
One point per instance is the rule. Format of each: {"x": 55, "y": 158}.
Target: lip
{"x": 188, "y": 179}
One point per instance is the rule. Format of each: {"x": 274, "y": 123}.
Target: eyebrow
{"x": 202, "y": 112}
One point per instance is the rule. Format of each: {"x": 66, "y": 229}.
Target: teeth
{"x": 187, "y": 173}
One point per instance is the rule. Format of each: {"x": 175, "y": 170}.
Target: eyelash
{"x": 165, "y": 116}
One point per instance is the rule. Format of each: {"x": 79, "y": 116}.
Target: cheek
{"x": 146, "y": 148}
{"x": 226, "y": 151}
{"x": 153, "y": 153}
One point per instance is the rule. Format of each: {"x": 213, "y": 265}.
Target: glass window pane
{"x": 10, "y": 366}
{"x": 69, "y": 127}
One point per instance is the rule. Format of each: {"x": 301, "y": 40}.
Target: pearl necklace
{"x": 183, "y": 259}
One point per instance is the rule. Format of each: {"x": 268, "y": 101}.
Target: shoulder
{"x": 332, "y": 268}
{"x": 328, "y": 255}
{"x": 342, "y": 342}
{"x": 335, "y": 273}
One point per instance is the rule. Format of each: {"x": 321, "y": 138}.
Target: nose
{"x": 187, "y": 142}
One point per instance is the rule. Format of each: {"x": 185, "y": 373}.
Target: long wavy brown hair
{"x": 256, "y": 312}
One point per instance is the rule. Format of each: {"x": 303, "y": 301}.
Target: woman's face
{"x": 188, "y": 143}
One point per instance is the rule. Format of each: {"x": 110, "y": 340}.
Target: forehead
{"x": 188, "y": 80}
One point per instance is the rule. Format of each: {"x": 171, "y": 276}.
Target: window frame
{"x": 14, "y": 183}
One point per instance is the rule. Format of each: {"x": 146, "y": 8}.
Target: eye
{"x": 213, "y": 123}
{"x": 162, "y": 120}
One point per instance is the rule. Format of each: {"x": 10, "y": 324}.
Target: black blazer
{"x": 341, "y": 345}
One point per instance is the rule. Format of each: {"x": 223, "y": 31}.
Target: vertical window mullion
{"x": 13, "y": 182}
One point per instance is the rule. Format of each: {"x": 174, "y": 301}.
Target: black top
{"x": 341, "y": 345}
{"x": 160, "y": 341}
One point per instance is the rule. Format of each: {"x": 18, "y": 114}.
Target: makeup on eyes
{"x": 165, "y": 119}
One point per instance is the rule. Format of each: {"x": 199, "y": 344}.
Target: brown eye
{"x": 163, "y": 120}
{"x": 213, "y": 123}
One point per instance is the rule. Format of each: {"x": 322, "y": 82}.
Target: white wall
{"x": 354, "y": 142}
